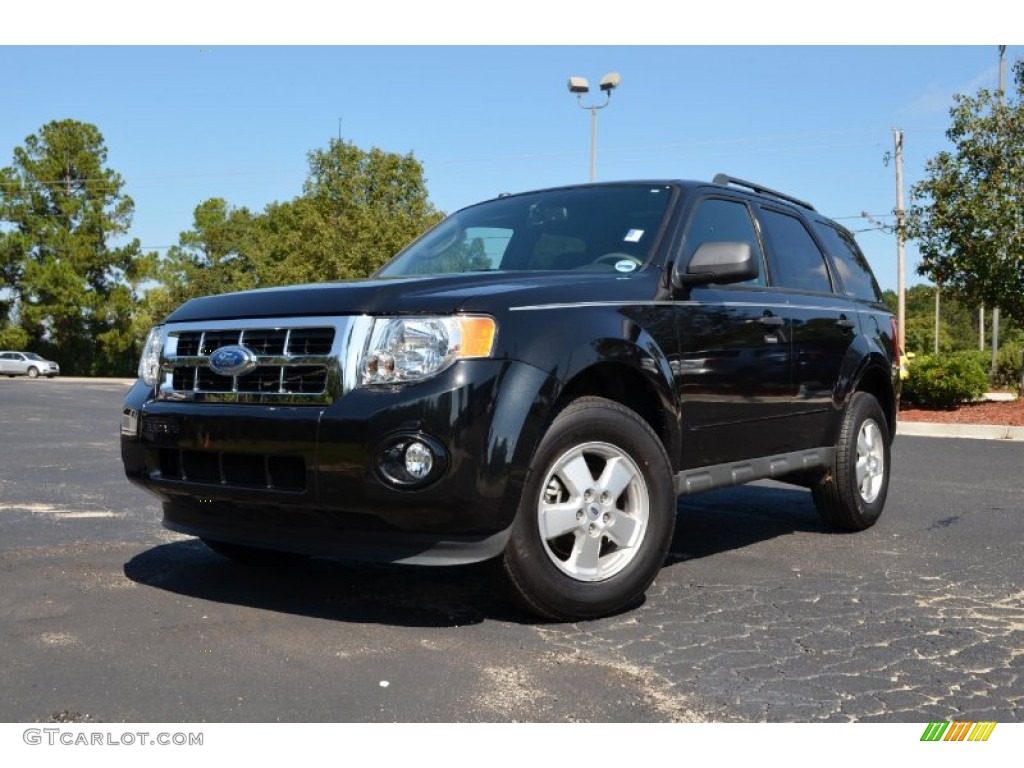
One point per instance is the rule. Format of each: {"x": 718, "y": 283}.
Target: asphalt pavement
{"x": 760, "y": 613}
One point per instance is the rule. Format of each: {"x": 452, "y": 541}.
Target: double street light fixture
{"x": 580, "y": 86}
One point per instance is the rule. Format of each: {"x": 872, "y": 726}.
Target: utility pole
{"x": 901, "y": 289}
{"x": 1002, "y": 100}
{"x": 935, "y": 351}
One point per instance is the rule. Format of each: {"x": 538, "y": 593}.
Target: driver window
{"x": 723, "y": 221}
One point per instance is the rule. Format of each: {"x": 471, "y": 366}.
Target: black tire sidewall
{"x": 864, "y": 407}
{"x": 552, "y": 592}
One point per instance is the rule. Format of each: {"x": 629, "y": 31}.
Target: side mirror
{"x": 729, "y": 262}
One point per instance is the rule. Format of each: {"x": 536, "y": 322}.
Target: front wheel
{"x": 851, "y": 495}
{"x": 596, "y": 516}
{"x": 33, "y": 372}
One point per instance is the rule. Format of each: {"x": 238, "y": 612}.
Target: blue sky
{"x": 184, "y": 123}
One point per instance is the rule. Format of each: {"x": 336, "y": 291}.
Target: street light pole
{"x": 580, "y": 86}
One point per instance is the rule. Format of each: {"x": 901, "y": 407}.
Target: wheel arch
{"x": 648, "y": 396}
{"x": 876, "y": 380}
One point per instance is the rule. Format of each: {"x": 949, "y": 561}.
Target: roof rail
{"x": 725, "y": 179}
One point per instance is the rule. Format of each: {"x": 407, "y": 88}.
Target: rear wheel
{"x": 246, "y": 555}
{"x": 851, "y": 495}
{"x": 596, "y": 516}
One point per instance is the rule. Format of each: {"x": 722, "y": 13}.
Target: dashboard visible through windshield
{"x": 610, "y": 229}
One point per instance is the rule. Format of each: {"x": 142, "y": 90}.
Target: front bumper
{"x": 306, "y": 478}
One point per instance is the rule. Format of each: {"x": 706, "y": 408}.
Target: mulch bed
{"x": 1009, "y": 414}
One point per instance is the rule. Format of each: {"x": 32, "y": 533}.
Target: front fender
{"x": 623, "y": 353}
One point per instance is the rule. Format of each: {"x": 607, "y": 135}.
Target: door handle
{"x": 769, "y": 320}
{"x": 845, "y": 324}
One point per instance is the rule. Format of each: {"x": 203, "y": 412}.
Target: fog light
{"x": 409, "y": 462}
{"x": 419, "y": 460}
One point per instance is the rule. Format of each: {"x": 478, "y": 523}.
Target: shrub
{"x": 944, "y": 381}
{"x": 1008, "y": 367}
{"x": 13, "y": 337}
{"x": 982, "y": 356}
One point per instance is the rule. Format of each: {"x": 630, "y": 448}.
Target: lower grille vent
{"x": 236, "y": 470}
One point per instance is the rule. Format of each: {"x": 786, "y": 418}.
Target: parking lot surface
{"x": 760, "y": 613}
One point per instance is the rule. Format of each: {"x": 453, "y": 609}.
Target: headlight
{"x": 404, "y": 349}
{"x": 149, "y": 366}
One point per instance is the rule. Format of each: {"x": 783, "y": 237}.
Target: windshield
{"x": 33, "y": 356}
{"x": 602, "y": 228}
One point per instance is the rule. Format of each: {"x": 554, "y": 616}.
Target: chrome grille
{"x": 298, "y": 361}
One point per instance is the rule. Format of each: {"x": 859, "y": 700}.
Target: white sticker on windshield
{"x": 633, "y": 236}
{"x": 625, "y": 265}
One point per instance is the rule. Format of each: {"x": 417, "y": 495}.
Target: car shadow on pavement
{"x": 732, "y": 518}
{"x": 413, "y": 596}
{"x": 419, "y": 596}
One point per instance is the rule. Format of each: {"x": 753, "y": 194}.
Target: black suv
{"x": 535, "y": 380}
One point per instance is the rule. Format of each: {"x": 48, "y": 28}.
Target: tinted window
{"x": 794, "y": 257}
{"x": 723, "y": 221}
{"x": 853, "y": 268}
{"x": 609, "y": 229}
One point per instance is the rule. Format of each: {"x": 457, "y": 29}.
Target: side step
{"x": 762, "y": 468}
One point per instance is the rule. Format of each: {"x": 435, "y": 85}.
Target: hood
{"x": 436, "y": 294}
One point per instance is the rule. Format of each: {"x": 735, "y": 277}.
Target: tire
{"x": 851, "y": 495}
{"x": 596, "y": 516}
{"x": 33, "y": 372}
{"x": 253, "y": 556}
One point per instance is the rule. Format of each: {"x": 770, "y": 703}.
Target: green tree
{"x": 66, "y": 288}
{"x": 968, "y": 212}
{"x": 958, "y": 322}
{"x": 212, "y": 257}
{"x": 357, "y": 210}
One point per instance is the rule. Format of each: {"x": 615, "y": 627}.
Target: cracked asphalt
{"x": 760, "y": 613}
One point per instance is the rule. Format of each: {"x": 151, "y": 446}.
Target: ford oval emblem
{"x": 233, "y": 360}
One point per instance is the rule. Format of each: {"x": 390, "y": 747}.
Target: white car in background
{"x": 27, "y": 364}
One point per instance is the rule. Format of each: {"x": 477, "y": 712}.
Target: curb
{"x": 969, "y": 431}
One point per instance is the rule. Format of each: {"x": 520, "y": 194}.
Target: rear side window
{"x": 794, "y": 257}
{"x": 853, "y": 268}
{"x": 723, "y": 221}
